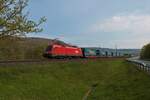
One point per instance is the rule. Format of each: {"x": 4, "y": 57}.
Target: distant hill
{"x": 25, "y": 48}
{"x": 36, "y": 41}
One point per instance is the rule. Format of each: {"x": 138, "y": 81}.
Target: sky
{"x": 100, "y": 23}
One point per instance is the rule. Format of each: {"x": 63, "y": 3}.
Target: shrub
{"x": 145, "y": 52}
{"x": 20, "y": 49}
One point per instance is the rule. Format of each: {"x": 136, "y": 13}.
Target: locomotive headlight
{"x": 76, "y": 51}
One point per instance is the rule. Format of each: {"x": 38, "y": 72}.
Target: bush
{"x": 145, "y": 52}
{"x": 10, "y": 49}
{"x": 35, "y": 53}
{"x": 19, "y": 49}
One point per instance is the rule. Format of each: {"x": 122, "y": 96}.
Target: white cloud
{"x": 129, "y": 30}
{"x": 131, "y": 43}
{"x": 137, "y": 24}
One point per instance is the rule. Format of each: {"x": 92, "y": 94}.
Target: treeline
{"x": 145, "y": 52}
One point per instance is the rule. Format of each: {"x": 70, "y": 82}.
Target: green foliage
{"x": 127, "y": 55}
{"x": 14, "y": 23}
{"x": 117, "y": 80}
{"x": 145, "y": 52}
{"x": 13, "y": 20}
{"x": 35, "y": 53}
{"x": 10, "y": 49}
{"x": 17, "y": 48}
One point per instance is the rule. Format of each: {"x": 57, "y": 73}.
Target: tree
{"x": 13, "y": 20}
{"x": 145, "y": 52}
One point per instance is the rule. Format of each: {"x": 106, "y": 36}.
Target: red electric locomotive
{"x": 63, "y": 51}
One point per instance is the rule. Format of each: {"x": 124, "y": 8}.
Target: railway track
{"x": 21, "y": 61}
{"x": 36, "y": 61}
{"x": 55, "y": 60}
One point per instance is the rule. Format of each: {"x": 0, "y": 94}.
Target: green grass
{"x": 117, "y": 80}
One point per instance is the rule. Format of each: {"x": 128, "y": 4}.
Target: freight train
{"x": 68, "y": 51}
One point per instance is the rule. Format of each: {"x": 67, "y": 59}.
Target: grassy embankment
{"x": 117, "y": 80}
{"x": 22, "y": 48}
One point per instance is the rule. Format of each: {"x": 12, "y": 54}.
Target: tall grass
{"x": 116, "y": 79}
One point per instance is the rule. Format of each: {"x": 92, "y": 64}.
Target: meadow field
{"x": 115, "y": 79}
